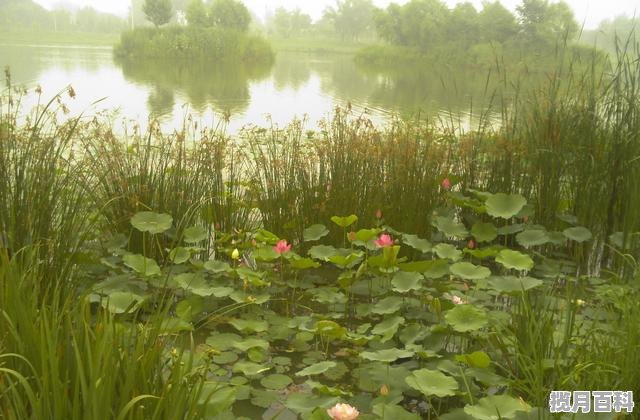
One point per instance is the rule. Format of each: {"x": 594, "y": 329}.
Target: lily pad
{"x": 393, "y": 411}
{"x": 195, "y": 234}
{"x": 276, "y": 381}
{"x": 121, "y": 302}
{"x": 469, "y": 271}
{"x": 514, "y": 260}
{"x": 250, "y": 368}
{"x": 505, "y": 205}
{"x": 578, "y": 234}
{"x": 477, "y": 359}
{"x": 387, "y": 328}
{"x": 484, "y": 232}
{"x": 464, "y": 318}
{"x": 432, "y": 382}
{"x": 315, "y": 232}
{"x": 216, "y": 266}
{"x": 450, "y": 227}
{"x": 532, "y": 237}
{"x": 317, "y": 368}
{"x": 413, "y": 241}
{"x": 386, "y": 355}
{"x": 147, "y": 221}
{"x": 405, "y": 281}
{"x": 142, "y": 265}
{"x": 249, "y": 325}
{"x": 344, "y": 221}
{"x": 448, "y": 251}
{"x": 322, "y": 252}
{"x": 179, "y": 255}
{"x": 496, "y": 407}
{"x": 388, "y": 305}
{"x": 303, "y": 263}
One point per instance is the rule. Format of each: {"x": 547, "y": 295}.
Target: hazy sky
{"x": 591, "y": 12}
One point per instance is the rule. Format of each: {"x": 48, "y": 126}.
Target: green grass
{"x": 58, "y": 38}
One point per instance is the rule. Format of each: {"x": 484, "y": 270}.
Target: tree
{"x": 351, "y": 18}
{"x": 158, "y": 12}
{"x": 542, "y": 22}
{"x": 496, "y": 23}
{"x": 197, "y": 14}
{"x": 230, "y": 14}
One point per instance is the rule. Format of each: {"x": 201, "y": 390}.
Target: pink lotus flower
{"x": 351, "y": 236}
{"x": 446, "y": 184}
{"x": 343, "y": 412}
{"x": 383, "y": 240}
{"x": 471, "y": 244}
{"x": 282, "y": 246}
{"x": 378, "y": 214}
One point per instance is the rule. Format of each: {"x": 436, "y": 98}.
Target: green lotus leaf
{"x": 484, "y": 253}
{"x": 387, "y": 328}
{"x": 315, "y": 232}
{"x": 249, "y": 325}
{"x": 484, "y": 232}
{"x": 450, "y": 227}
{"x": 388, "y": 305}
{"x": 216, "y": 399}
{"x": 393, "y": 411}
{"x": 512, "y": 284}
{"x": 386, "y": 355}
{"x": 122, "y": 302}
{"x": 147, "y": 221}
{"x": 276, "y": 381}
{"x": 464, "y": 318}
{"x": 317, "y": 368}
{"x": 448, "y": 251}
{"x": 306, "y": 403}
{"x": 496, "y": 407}
{"x": 187, "y": 308}
{"x": 469, "y": 271}
{"x": 174, "y": 325}
{"x": 511, "y": 229}
{"x": 303, "y": 263}
{"x": 195, "y": 234}
{"x": 265, "y": 253}
{"x": 578, "y": 234}
{"x": 477, "y": 359}
{"x": 365, "y": 235}
{"x": 222, "y": 341}
{"x": 179, "y": 255}
{"x": 504, "y": 205}
{"x": 194, "y": 283}
{"x": 322, "y": 252}
{"x": 344, "y": 221}
{"x": 216, "y": 266}
{"x": 330, "y": 329}
{"x": 142, "y": 265}
{"x": 438, "y": 269}
{"x": 515, "y": 260}
{"x": 263, "y": 235}
{"x": 414, "y": 242}
{"x": 404, "y": 281}
{"x": 250, "y": 368}
{"x": 532, "y": 237}
{"x": 432, "y": 382}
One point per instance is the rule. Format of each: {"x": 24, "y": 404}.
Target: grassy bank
{"x": 408, "y": 270}
{"x": 58, "y": 38}
{"x": 188, "y": 42}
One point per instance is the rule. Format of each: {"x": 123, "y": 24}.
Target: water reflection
{"x": 224, "y": 86}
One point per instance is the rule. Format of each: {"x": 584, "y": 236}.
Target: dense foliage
{"x": 158, "y": 12}
{"x": 191, "y": 42}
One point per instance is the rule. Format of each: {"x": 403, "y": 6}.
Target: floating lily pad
{"x": 469, "y": 271}
{"x": 216, "y": 266}
{"x": 250, "y": 343}
{"x": 533, "y": 237}
{"x": 317, "y": 368}
{"x": 448, "y": 251}
{"x": 154, "y": 223}
{"x": 250, "y": 368}
{"x": 514, "y": 260}
{"x": 413, "y": 241}
{"x": 187, "y": 308}
{"x": 393, "y": 411}
{"x": 344, "y": 221}
{"x": 496, "y": 407}
{"x": 121, "y": 302}
{"x": 315, "y": 232}
{"x": 464, "y": 318}
{"x": 504, "y": 205}
{"x": 578, "y": 234}
{"x": 306, "y": 403}
{"x": 477, "y": 359}
{"x": 386, "y": 355}
{"x": 249, "y": 325}
{"x": 432, "y": 382}
{"x": 195, "y": 234}
{"x": 276, "y": 381}
{"x": 484, "y": 232}
{"x": 387, "y": 328}
{"x": 142, "y": 265}
{"x": 223, "y": 341}
{"x": 404, "y": 281}
{"x": 388, "y": 305}
{"x": 303, "y": 263}
{"x": 450, "y": 227}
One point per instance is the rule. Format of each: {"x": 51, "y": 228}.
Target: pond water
{"x": 297, "y": 85}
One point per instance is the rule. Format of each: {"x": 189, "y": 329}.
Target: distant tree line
{"x": 621, "y": 32}
{"x": 26, "y": 14}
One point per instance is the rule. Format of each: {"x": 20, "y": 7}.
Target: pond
{"x": 298, "y": 85}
